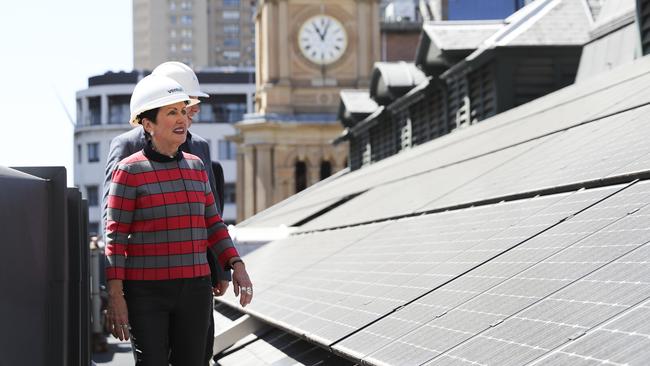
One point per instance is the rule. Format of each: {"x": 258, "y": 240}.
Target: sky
{"x": 480, "y": 9}
{"x": 49, "y": 49}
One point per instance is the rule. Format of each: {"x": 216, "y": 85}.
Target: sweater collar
{"x": 154, "y": 155}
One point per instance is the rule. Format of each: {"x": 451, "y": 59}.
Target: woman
{"x": 161, "y": 216}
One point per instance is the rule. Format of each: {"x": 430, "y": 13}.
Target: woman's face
{"x": 170, "y": 129}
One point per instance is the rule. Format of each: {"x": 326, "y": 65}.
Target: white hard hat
{"x": 155, "y": 91}
{"x": 183, "y": 74}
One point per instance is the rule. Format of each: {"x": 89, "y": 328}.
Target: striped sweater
{"x": 161, "y": 216}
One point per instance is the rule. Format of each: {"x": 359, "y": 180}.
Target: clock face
{"x": 322, "y": 39}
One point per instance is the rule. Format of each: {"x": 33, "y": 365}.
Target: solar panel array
{"x": 523, "y": 243}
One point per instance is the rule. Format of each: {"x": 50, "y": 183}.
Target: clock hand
{"x": 318, "y": 31}
{"x": 326, "y": 27}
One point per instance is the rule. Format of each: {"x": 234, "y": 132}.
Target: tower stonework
{"x": 306, "y": 52}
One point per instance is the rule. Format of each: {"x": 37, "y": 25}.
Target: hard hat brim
{"x": 161, "y": 102}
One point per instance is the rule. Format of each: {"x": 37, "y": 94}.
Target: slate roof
{"x": 460, "y": 35}
{"x": 542, "y": 23}
{"x": 520, "y": 239}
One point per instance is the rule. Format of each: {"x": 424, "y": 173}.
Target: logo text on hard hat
{"x": 175, "y": 90}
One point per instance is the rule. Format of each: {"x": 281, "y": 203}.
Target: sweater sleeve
{"x": 219, "y": 240}
{"x": 120, "y": 206}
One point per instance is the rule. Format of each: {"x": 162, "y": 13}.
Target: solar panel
{"x": 405, "y": 196}
{"x": 622, "y": 340}
{"x": 395, "y": 263}
{"x": 584, "y": 153}
{"x": 555, "y": 112}
{"x": 461, "y": 298}
{"x": 513, "y": 282}
{"x": 609, "y": 290}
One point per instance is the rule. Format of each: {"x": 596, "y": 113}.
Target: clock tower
{"x": 307, "y": 51}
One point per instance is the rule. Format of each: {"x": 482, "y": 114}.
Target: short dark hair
{"x": 151, "y": 116}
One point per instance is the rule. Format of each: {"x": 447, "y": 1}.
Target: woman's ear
{"x": 146, "y": 124}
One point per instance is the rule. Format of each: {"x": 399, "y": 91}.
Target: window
{"x": 79, "y": 112}
{"x": 118, "y": 109}
{"x": 229, "y": 193}
{"x": 231, "y": 28}
{"x": 92, "y": 195}
{"x": 172, "y": 33}
{"x": 231, "y": 42}
{"x": 172, "y": 48}
{"x": 186, "y": 47}
{"x": 172, "y": 19}
{"x": 325, "y": 169}
{"x": 186, "y": 5}
{"x": 186, "y": 33}
{"x": 223, "y": 109}
{"x": 95, "y": 111}
{"x": 79, "y": 153}
{"x": 186, "y": 19}
{"x": 231, "y": 3}
{"x": 227, "y": 150}
{"x": 93, "y": 152}
{"x": 231, "y": 14}
{"x": 93, "y": 228}
{"x": 300, "y": 175}
{"x": 172, "y": 5}
{"x": 231, "y": 55}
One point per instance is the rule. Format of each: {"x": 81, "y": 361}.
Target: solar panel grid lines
{"x": 622, "y": 340}
{"x": 543, "y": 324}
{"x": 456, "y": 295}
{"x": 552, "y": 113}
{"x": 275, "y": 264}
{"x": 536, "y": 220}
{"x": 408, "y": 194}
{"x": 342, "y": 261}
{"x": 576, "y": 155}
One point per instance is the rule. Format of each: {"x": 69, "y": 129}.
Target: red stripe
{"x": 171, "y": 198}
{"x": 209, "y": 221}
{"x": 167, "y": 273}
{"x": 225, "y": 256}
{"x": 168, "y": 223}
{"x": 114, "y": 226}
{"x": 121, "y": 203}
{"x": 120, "y": 176}
{"x": 218, "y": 236}
{"x": 210, "y": 199}
{"x": 172, "y": 248}
{"x": 115, "y": 273}
{"x": 114, "y": 248}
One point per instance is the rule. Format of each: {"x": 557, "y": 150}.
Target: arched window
{"x": 325, "y": 169}
{"x": 300, "y": 172}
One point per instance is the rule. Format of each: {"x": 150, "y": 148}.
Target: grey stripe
{"x": 192, "y": 164}
{"x": 117, "y": 189}
{"x": 167, "y": 187}
{"x": 222, "y": 245}
{"x": 168, "y": 235}
{"x": 114, "y": 213}
{"x": 140, "y": 167}
{"x": 165, "y": 261}
{"x": 115, "y": 260}
{"x": 180, "y": 209}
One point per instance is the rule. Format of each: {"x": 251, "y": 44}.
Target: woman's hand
{"x": 117, "y": 314}
{"x": 241, "y": 283}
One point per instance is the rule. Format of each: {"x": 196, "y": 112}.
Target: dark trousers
{"x": 169, "y": 320}
{"x": 210, "y": 339}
